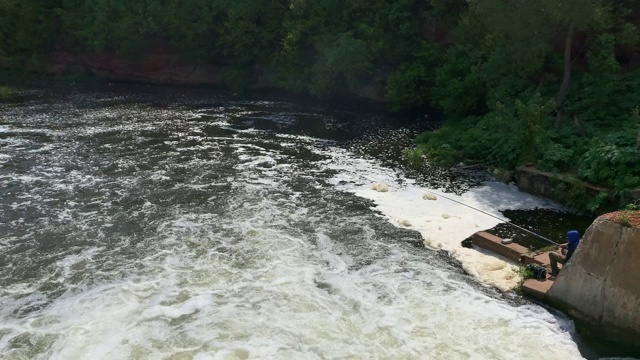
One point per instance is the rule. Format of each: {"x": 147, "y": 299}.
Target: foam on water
{"x": 443, "y": 223}
{"x": 277, "y": 296}
{"x": 238, "y": 247}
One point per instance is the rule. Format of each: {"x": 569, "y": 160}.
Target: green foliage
{"x": 525, "y": 273}
{"x": 413, "y": 157}
{"x": 612, "y": 164}
{"x": 632, "y": 207}
{"x": 503, "y": 175}
{"x": 509, "y": 135}
{"x": 236, "y": 78}
{"x": 624, "y": 220}
{"x": 555, "y": 157}
{"x": 574, "y": 192}
{"x": 409, "y": 86}
{"x": 27, "y": 30}
{"x": 7, "y": 93}
{"x": 342, "y": 65}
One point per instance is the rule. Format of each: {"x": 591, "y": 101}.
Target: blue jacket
{"x": 574, "y": 240}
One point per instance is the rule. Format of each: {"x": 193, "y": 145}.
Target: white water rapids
{"x": 137, "y": 231}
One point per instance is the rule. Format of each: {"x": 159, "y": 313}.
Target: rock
{"x": 446, "y": 216}
{"x": 429, "y": 197}
{"x": 380, "y": 187}
{"x": 600, "y": 285}
{"x": 439, "y": 227}
{"x": 405, "y": 222}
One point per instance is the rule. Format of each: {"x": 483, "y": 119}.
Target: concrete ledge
{"x": 536, "y": 288}
{"x": 518, "y": 253}
{"x": 494, "y": 244}
{"x": 533, "y": 181}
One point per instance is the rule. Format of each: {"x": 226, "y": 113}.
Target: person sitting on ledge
{"x": 566, "y": 250}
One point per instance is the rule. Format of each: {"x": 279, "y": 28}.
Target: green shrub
{"x": 413, "y": 157}
{"x": 624, "y": 220}
{"x": 409, "y": 86}
{"x": 342, "y": 65}
{"x": 632, "y": 207}
{"x": 617, "y": 167}
{"x": 525, "y": 273}
{"x": 236, "y": 78}
{"x": 555, "y": 157}
{"x": 7, "y": 93}
{"x": 573, "y": 192}
{"x": 508, "y": 135}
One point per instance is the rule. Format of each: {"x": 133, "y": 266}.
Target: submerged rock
{"x": 446, "y": 216}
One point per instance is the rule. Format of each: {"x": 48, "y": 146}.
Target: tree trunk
{"x": 562, "y": 94}
{"x": 638, "y": 141}
{"x": 579, "y": 126}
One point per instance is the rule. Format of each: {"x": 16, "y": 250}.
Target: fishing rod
{"x": 496, "y": 217}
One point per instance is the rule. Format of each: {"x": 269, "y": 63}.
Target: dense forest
{"x": 555, "y": 83}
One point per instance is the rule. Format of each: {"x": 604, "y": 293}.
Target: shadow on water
{"x": 552, "y": 224}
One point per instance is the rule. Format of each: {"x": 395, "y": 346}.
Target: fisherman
{"x": 566, "y": 251}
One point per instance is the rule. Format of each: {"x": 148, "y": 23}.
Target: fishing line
{"x": 496, "y": 217}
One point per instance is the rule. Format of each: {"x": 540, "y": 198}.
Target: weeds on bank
{"x": 524, "y": 274}
{"x": 624, "y": 220}
{"x": 7, "y": 93}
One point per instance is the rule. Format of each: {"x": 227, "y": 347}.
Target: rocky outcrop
{"x": 601, "y": 283}
{"x": 160, "y": 65}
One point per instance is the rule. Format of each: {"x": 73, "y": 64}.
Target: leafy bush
{"x": 555, "y": 157}
{"x": 573, "y": 192}
{"x": 614, "y": 166}
{"x": 632, "y": 207}
{"x": 525, "y": 273}
{"x": 341, "y": 66}
{"x": 508, "y": 135}
{"x": 624, "y": 220}
{"x": 237, "y": 79}
{"x": 413, "y": 157}
{"x": 409, "y": 86}
{"x": 7, "y": 93}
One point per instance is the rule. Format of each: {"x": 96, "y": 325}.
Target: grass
{"x": 525, "y": 274}
{"x": 413, "y": 157}
{"x": 624, "y": 220}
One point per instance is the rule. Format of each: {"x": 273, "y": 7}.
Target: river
{"x": 141, "y": 222}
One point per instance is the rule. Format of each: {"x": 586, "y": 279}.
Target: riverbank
{"x": 7, "y": 93}
{"x": 595, "y": 173}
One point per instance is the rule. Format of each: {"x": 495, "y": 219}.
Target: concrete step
{"x": 494, "y": 244}
{"x": 536, "y": 288}
{"x": 519, "y": 254}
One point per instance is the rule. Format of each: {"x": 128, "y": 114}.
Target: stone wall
{"x": 601, "y": 283}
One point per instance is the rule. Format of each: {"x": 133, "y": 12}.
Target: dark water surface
{"x": 153, "y": 222}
